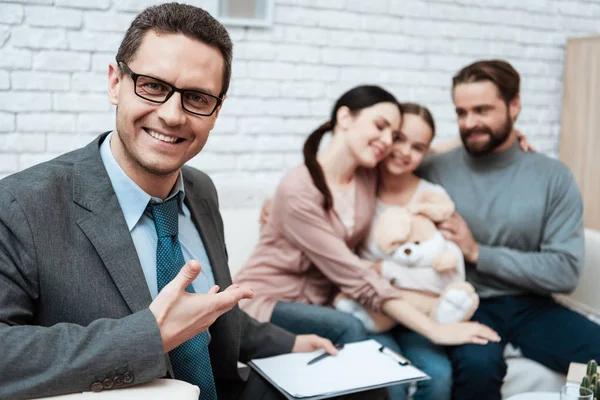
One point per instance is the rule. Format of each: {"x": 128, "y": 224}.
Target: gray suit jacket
{"x": 73, "y": 297}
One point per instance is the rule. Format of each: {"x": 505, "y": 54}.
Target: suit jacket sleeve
{"x": 63, "y": 358}
{"x": 263, "y": 339}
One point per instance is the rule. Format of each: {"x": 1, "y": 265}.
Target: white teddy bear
{"x": 409, "y": 238}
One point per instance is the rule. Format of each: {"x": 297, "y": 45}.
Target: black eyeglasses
{"x": 158, "y": 91}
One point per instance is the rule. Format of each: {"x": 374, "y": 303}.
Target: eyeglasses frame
{"x": 174, "y": 89}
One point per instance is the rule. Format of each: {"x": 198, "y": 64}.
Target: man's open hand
{"x": 181, "y": 315}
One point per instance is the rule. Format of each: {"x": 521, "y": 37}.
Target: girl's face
{"x": 409, "y": 147}
{"x": 369, "y": 133}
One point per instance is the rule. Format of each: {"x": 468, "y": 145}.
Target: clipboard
{"x": 357, "y": 367}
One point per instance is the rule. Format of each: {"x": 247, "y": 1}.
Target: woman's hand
{"x": 377, "y": 267}
{"x": 265, "y": 212}
{"x": 524, "y": 142}
{"x": 463, "y": 333}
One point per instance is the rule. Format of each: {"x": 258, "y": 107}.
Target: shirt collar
{"x": 133, "y": 199}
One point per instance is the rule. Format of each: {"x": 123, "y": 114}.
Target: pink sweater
{"x": 304, "y": 254}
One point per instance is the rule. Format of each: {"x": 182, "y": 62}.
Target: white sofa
{"x": 241, "y": 235}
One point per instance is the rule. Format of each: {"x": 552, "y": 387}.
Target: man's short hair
{"x": 175, "y": 18}
{"x": 499, "y": 72}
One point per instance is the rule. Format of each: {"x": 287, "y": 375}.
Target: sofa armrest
{"x": 157, "y": 389}
{"x": 586, "y": 298}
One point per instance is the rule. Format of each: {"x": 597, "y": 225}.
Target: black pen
{"x": 401, "y": 360}
{"x": 324, "y": 355}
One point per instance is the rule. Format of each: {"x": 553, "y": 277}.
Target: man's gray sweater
{"x": 525, "y": 211}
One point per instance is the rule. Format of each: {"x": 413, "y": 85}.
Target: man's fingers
{"x": 448, "y": 236}
{"x": 228, "y": 298}
{"x": 447, "y": 226}
{"x": 188, "y": 273}
{"x": 455, "y": 219}
{"x": 480, "y": 341}
{"x": 232, "y": 286}
{"x": 214, "y": 289}
{"x": 325, "y": 344}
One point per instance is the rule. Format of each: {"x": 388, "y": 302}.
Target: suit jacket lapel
{"x": 203, "y": 218}
{"x": 225, "y": 342}
{"x": 106, "y": 228}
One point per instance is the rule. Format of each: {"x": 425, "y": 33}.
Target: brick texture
{"x": 54, "y": 56}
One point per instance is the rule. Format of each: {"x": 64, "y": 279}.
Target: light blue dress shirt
{"x": 133, "y": 201}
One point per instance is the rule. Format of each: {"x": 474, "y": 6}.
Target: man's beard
{"x": 496, "y": 138}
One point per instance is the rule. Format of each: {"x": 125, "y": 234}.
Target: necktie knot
{"x": 166, "y": 219}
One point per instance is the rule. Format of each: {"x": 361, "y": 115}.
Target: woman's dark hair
{"x": 355, "y": 99}
{"x": 421, "y": 111}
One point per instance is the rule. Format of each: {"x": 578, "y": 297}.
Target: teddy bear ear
{"x": 392, "y": 229}
{"x": 433, "y": 204}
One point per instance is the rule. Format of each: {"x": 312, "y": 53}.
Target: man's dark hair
{"x": 192, "y": 22}
{"x": 499, "y": 72}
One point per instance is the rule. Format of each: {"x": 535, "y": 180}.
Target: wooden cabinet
{"x": 580, "y": 126}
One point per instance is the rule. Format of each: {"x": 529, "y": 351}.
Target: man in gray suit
{"x": 93, "y": 295}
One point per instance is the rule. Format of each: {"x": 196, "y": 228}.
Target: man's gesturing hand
{"x": 181, "y": 315}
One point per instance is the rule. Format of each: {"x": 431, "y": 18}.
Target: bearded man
{"x": 519, "y": 223}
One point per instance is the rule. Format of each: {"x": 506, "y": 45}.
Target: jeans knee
{"x": 441, "y": 376}
{"x": 351, "y": 329}
{"x": 439, "y": 387}
{"x": 480, "y": 366}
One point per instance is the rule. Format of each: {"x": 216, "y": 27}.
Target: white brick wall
{"x": 54, "y": 56}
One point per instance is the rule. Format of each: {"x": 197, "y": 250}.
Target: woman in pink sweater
{"x": 320, "y": 212}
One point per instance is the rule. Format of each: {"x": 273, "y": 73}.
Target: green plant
{"x": 591, "y": 380}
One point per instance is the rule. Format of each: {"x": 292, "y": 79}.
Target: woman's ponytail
{"x": 311, "y": 147}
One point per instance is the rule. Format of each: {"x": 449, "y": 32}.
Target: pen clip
{"x": 397, "y": 357}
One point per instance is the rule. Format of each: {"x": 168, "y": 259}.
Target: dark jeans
{"x": 544, "y": 330}
{"x": 326, "y": 322}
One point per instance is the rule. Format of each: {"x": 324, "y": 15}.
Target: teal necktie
{"x": 190, "y": 360}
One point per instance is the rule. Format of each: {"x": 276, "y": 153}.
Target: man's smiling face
{"x": 159, "y": 138}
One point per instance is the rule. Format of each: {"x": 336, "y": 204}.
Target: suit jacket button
{"x": 107, "y": 383}
{"x": 128, "y": 377}
{"x": 97, "y": 387}
{"x": 118, "y": 380}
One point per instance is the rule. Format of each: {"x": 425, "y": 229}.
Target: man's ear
{"x": 114, "y": 83}
{"x": 343, "y": 117}
{"x": 514, "y": 107}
